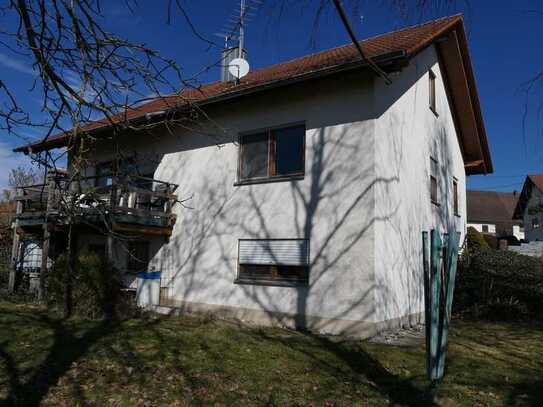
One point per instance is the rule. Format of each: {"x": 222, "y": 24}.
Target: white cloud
{"x": 16, "y": 64}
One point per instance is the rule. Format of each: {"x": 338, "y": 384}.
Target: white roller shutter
{"x": 287, "y": 252}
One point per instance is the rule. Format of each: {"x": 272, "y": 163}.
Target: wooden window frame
{"x": 434, "y": 177}
{"x": 103, "y": 164}
{"x": 432, "y": 93}
{"x": 272, "y": 156}
{"x": 274, "y": 279}
{"x": 456, "y": 200}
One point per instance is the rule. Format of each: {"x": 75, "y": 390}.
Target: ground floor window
{"x": 273, "y": 261}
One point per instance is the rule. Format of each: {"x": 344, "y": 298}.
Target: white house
{"x": 492, "y": 212}
{"x": 529, "y": 208}
{"x": 307, "y": 185}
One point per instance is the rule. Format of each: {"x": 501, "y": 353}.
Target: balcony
{"x": 125, "y": 204}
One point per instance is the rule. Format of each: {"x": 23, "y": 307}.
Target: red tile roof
{"x": 490, "y": 206}
{"x": 537, "y": 179}
{"x": 493, "y": 207}
{"x": 409, "y": 40}
{"x": 403, "y": 43}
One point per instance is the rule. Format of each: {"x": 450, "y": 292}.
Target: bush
{"x": 500, "y": 284}
{"x": 490, "y": 240}
{"x": 475, "y": 240}
{"x": 96, "y": 287}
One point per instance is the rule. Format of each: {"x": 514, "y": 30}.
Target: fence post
{"x": 439, "y": 281}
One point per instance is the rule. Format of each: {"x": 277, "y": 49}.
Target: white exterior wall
{"x": 407, "y": 134}
{"x": 333, "y": 205}
{"x": 479, "y": 227}
{"x": 363, "y": 203}
{"x": 518, "y": 232}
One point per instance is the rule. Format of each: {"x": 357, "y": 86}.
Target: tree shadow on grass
{"x": 66, "y": 349}
{"x": 397, "y": 390}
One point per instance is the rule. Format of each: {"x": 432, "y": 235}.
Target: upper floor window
{"x": 104, "y": 174}
{"x": 432, "y": 91}
{"x": 455, "y": 198}
{"x": 434, "y": 186}
{"x": 272, "y": 154}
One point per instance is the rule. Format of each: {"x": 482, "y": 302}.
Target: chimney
{"x": 228, "y": 54}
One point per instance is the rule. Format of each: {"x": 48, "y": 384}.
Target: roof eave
{"x": 383, "y": 60}
{"x": 462, "y": 89}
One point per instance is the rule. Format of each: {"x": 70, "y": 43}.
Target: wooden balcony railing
{"x": 126, "y": 200}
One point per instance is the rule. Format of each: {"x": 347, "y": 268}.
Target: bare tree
{"x": 18, "y": 177}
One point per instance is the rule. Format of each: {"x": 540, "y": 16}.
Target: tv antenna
{"x": 234, "y": 30}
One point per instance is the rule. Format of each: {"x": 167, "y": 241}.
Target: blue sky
{"x": 504, "y": 39}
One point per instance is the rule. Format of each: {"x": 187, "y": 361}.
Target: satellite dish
{"x": 238, "y": 68}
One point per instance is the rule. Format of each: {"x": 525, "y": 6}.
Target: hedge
{"x": 501, "y": 282}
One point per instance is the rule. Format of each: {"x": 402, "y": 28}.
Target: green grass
{"x": 194, "y": 361}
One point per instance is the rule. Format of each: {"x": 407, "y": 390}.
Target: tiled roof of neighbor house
{"x": 404, "y": 43}
{"x": 537, "y": 180}
{"x": 490, "y": 206}
{"x": 530, "y": 181}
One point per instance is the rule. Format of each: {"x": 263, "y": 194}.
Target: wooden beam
{"x": 475, "y": 163}
{"x": 143, "y": 230}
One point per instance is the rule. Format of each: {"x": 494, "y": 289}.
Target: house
{"x": 529, "y": 208}
{"x": 492, "y": 212}
{"x": 306, "y": 186}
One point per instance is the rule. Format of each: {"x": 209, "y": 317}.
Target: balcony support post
{"x": 46, "y": 238}
{"x": 15, "y": 255}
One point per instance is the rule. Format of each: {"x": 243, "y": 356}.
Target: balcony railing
{"x": 124, "y": 200}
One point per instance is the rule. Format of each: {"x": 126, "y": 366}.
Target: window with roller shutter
{"x": 273, "y": 261}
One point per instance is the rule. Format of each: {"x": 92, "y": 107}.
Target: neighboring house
{"x": 309, "y": 184}
{"x": 492, "y": 212}
{"x": 529, "y": 208}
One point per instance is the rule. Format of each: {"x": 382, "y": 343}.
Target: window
{"x": 273, "y": 261}
{"x": 432, "y": 91}
{"x": 485, "y": 228}
{"x": 455, "y": 197}
{"x": 535, "y": 223}
{"x": 275, "y": 153}
{"x": 434, "y": 186}
{"x": 104, "y": 174}
{"x": 137, "y": 256}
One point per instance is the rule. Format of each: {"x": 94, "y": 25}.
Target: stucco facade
{"x": 363, "y": 202}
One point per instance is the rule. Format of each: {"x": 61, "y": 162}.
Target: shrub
{"x": 490, "y": 240}
{"x": 493, "y": 280}
{"x": 96, "y": 287}
{"x": 475, "y": 240}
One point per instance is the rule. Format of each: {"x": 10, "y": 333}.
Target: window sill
{"x": 253, "y": 181}
{"x": 457, "y": 215}
{"x": 275, "y": 283}
{"x": 434, "y": 111}
{"x": 435, "y": 203}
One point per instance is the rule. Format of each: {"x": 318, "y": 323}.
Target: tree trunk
{"x": 71, "y": 254}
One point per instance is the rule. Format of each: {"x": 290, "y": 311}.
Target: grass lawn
{"x": 186, "y": 360}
